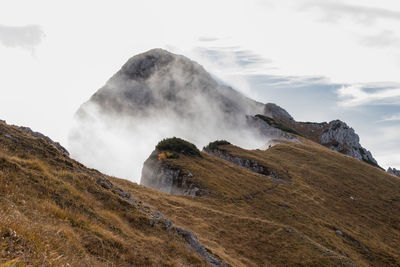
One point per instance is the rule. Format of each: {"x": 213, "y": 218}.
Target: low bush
{"x": 178, "y": 145}
{"x": 216, "y": 144}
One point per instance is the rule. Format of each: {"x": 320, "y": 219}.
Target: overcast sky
{"x": 320, "y": 60}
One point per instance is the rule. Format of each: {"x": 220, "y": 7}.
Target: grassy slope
{"x": 53, "y": 212}
{"x": 250, "y": 220}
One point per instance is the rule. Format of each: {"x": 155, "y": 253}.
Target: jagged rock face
{"x": 394, "y": 171}
{"x": 166, "y": 178}
{"x": 341, "y": 138}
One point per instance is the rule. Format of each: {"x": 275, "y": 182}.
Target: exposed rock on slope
{"x": 274, "y": 111}
{"x": 37, "y": 135}
{"x": 336, "y": 135}
{"x": 167, "y": 178}
{"x": 341, "y": 138}
{"x": 159, "y": 174}
{"x": 394, "y": 171}
{"x": 217, "y": 150}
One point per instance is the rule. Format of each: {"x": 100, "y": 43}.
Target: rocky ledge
{"x": 339, "y": 137}
{"x": 157, "y": 173}
{"x": 215, "y": 148}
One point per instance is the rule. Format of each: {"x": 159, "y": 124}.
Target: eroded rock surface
{"x": 342, "y": 138}
{"x": 164, "y": 177}
{"x": 249, "y": 164}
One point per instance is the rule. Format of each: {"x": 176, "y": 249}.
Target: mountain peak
{"x": 143, "y": 65}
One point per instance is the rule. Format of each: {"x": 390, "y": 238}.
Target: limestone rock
{"x": 167, "y": 178}
{"x": 276, "y": 112}
{"x": 342, "y": 138}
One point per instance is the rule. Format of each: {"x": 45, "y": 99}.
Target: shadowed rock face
{"x": 167, "y": 178}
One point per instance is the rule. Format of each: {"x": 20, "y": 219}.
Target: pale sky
{"x": 321, "y": 60}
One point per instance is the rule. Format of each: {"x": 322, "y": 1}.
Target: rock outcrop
{"x": 160, "y": 175}
{"x": 29, "y": 131}
{"x": 268, "y": 130}
{"x": 339, "y": 137}
{"x": 336, "y": 135}
{"x": 394, "y": 171}
{"x": 249, "y": 164}
{"x": 274, "y": 111}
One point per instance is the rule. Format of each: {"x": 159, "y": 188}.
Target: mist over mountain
{"x": 158, "y": 94}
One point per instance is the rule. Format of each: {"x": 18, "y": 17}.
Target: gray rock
{"x": 339, "y": 232}
{"x": 190, "y": 238}
{"x": 342, "y": 138}
{"x": 264, "y": 129}
{"x": 46, "y": 138}
{"x": 249, "y": 164}
{"x": 394, "y": 171}
{"x": 8, "y": 136}
{"x": 169, "y": 179}
{"x": 276, "y": 112}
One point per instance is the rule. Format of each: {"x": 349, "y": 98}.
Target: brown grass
{"x": 54, "y": 213}
{"x": 250, "y": 220}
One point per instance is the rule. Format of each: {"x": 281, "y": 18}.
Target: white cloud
{"x": 394, "y": 117}
{"x": 26, "y": 37}
{"x": 357, "y": 95}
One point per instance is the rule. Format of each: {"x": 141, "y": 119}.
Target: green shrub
{"x": 178, "y": 145}
{"x": 215, "y": 144}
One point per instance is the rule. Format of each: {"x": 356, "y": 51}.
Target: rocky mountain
{"x": 159, "y": 94}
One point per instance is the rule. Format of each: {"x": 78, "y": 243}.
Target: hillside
{"x": 56, "y": 212}
{"x": 311, "y": 206}
{"x": 315, "y": 207}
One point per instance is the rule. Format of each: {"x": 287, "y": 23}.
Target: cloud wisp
{"x": 364, "y": 94}
{"x": 26, "y": 37}
{"x": 335, "y": 11}
{"x": 391, "y": 118}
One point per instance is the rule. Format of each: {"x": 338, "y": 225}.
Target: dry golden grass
{"x": 54, "y": 213}
{"x": 251, "y": 220}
